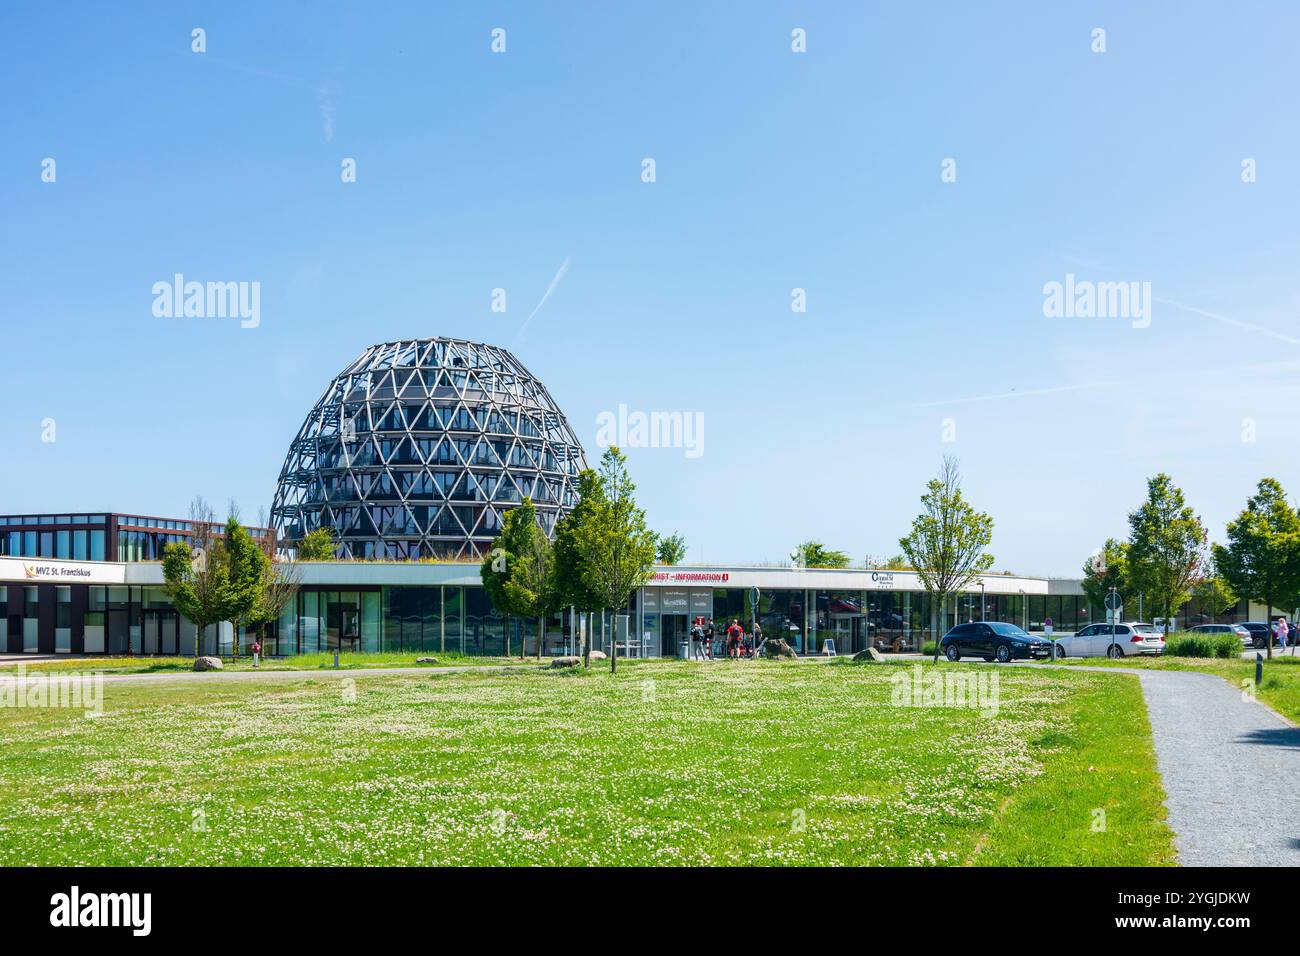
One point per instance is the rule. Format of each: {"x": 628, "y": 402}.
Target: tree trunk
{"x": 1268, "y": 619}
{"x": 613, "y": 645}
{"x": 586, "y": 643}
{"x": 935, "y": 618}
{"x": 507, "y": 634}
{"x": 541, "y": 634}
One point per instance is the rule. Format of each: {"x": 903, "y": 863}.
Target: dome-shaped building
{"x": 417, "y": 449}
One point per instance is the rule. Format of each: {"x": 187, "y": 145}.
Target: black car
{"x": 993, "y": 640}
{"x": 1258, "y": 632}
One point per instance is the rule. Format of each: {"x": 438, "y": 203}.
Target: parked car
{"x": 1247, "y": 638}
{"x": 1096, "y": 640}
{"x": 993, "y": 640}
{"x": 1258, "y": 632}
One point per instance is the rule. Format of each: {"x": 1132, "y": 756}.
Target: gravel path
{"x": 1231, "y": 769}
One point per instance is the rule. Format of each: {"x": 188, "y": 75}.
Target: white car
{"x": 1096, "y": 640}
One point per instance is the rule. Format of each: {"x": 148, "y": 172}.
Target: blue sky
{"x": 775, "y": 171}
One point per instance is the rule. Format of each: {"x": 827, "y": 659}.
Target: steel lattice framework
{"x": 419, "y": 447}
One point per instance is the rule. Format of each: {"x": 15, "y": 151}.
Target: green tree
{"x": 246, "y": 575}
{"x": 280, "y": 583}
{"x": 1212, "y": 591}
{"x": 196, "y": 574}
{"x": 670, "y": 549}
{"x": 316, "y": 546}
{"x": 1261, "y": 561}
{"x": 814, "y": 554}
{"x": 947, "y": 542}
{"x": 570, "y": 578}
{"x": 519, "y": 571}
{"x": 1105, "y": 570}
{"x": 1166, "y": 547}
{"x": 616, "y": 548}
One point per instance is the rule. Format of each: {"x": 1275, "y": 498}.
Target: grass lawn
{"x": 1280, "y": 688}
{"x": 665, "y": 763}
{"x": 310, "y": 662}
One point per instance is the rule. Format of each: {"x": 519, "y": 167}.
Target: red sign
{"x": 679, "y": 577}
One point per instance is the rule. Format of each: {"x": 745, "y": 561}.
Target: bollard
{"x": 1259, "y": 668}
{"x": 336, "y": 660}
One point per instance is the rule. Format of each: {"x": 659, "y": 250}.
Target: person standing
{"x": 708, "y": 640}
{"x": 697, "y": 639}
{"x": 734, "y": 634}
{"x": 758, "y": 638}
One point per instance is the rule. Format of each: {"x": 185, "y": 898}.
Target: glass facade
{"x": 418, "y": 448}
{"x": 87, "y": 537}
{"x": 446, "y": 619}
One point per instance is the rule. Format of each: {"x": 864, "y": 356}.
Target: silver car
{"x": 1243, "y": 634}
{"x": 1096, "y": 640}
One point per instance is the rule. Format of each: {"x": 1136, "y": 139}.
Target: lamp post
{"x": 982, "y": 614}
{"x": 1112, "y": 605}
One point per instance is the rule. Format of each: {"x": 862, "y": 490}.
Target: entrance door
{"x": 169, "y": 627}
{"x": 672, "y": 630}
{"x": 14, "y": 639}
{"x": 161, "y": 629}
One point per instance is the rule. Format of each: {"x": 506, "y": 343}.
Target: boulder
{"x": 777, "y": 647}
{"x": 870, "y": 654}
{"x": 566, "y": 661}
{"x": 426, "y": 660}
{"x": 207, "y": 663}
{"x": 598, "y": 655}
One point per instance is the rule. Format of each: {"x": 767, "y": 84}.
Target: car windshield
{"x": 1006, "y": 630}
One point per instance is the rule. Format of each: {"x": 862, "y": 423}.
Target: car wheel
{"x": 1004, "y": 653}
{"x": 952, "y": 652}
{"x": 1114, "y": 651}
{"x": 1259, "y": 643}
{"x": 1060, "y": 652}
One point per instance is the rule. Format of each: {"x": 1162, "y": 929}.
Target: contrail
{"x": 1228, "y": 320}
{"x": 559, "y": 274}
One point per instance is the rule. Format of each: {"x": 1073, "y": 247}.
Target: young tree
{"x": 1166, "y": 548}
{"x": 1105, "y": 570}
{"x": 518, "y": 572}
{"x": 947, "y": 542}
{"x": 196, "y": 573}
{"x": 1261, "y": 561}
{"x": 318, "y": 545}
{"x": 570, "y": 579}
{"x": 814, "y": 554}
{"x": 246, "y": 575}
{"x": 1212, "y": 592}
{"x": 879, "y": 562}
{"x": 616, "y": 549}
{"x": 280, "y": 584}
{"x": 670, "y": 549}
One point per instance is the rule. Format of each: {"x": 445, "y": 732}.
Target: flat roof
{"x": 432, "y": 573}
